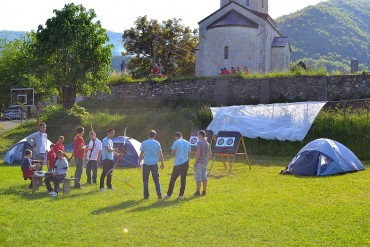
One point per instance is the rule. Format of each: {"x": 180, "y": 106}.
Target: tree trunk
{"x": 37, "y": 105}
{"x": 68, "y": 97}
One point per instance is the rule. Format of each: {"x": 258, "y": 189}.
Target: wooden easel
{"x": 225, "y": 157}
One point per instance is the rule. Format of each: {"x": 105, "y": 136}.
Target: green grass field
{"x": 256, "y": 207}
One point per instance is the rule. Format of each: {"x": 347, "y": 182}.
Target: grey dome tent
{"x": 131, "y": 149}
{"x": 324, "y": 157}
{"x": 16, "y": 153}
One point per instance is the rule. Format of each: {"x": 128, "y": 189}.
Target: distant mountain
{"x": 114, "y": 38}
{"x": 330, "y": 33}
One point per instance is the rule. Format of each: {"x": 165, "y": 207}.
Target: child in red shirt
{"x": 51, "y": 156}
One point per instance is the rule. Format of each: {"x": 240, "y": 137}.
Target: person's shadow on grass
{"x": 21, "y": 190}
{"x": 120, "y": 206}
{"x": 163, "y": 203}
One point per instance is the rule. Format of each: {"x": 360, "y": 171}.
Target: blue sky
{"x": 118, "y": 15}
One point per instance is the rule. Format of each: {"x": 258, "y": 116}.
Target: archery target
{"x": 194, "y": 140}
{"x": 225, "y": 141}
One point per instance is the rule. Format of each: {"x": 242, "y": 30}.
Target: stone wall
{"x": 230, "y": 90}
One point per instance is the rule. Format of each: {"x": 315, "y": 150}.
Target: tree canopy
{"x": 169, "y": 43}
{"x": 71, "y": 54}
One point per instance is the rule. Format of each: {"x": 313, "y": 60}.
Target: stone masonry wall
{"x": 230, "y": 90}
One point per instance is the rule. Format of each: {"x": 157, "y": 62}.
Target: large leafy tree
{"x": 13, "y": 67}
{"x": 72, "y": 55}
{"x": 169, "y": 43}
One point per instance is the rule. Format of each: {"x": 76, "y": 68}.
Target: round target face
{"x": 193, "y": 140}
{"x": 229, "y": 142}
{"x": 220, "y": 141}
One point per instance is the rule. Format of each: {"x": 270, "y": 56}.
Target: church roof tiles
{"x": 233, "y": 18}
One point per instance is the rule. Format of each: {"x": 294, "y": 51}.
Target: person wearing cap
{"x": 181, "y": 149}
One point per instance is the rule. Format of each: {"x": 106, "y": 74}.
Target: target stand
{"x": 193, "y": 140}
{"x": 227, "y": 148}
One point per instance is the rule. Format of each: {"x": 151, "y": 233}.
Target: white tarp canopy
{"x": 285, "y": 121}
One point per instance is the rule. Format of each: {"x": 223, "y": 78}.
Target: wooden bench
{"x": 67, "y": 185}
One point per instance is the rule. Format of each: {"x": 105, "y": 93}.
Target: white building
{"x": 241, "y": 33}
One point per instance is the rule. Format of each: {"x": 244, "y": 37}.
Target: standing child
{"x": 60, "y": 172}
{"x": 26, "y": 165}
{"x": 201, "y": 163}
{"x": 52, "y": 156}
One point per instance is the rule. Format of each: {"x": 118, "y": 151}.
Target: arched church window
{"x": 247, "y": 2}
{"x": 226, "y": 52}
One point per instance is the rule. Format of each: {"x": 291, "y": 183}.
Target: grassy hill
{"x": 330, "y": 33}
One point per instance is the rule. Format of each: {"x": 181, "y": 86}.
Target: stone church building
{"x": 241, "y": 34}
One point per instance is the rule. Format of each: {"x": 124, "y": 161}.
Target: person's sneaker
{"x": 54, "y": 194}
{"x": 159, "y": 197}
{"x": 204, "y": 193}
{"x": 146, "y": 198}
{"x": 180, "y": 197}
{"x": 196, "y": 193}
{"x": 102, "y": 189}
{"x": 51, "y": 192}
{"x": 112, "y": 188}
{"x": 166, "y": 197}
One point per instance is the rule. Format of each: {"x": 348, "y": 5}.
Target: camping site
{"x": 247, "y": 207}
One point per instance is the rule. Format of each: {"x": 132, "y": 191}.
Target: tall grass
{"x": 351, "y": 129}
{"x": 116, "y": 78}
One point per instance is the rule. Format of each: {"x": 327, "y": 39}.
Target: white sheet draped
{"x": 285, "y": 121}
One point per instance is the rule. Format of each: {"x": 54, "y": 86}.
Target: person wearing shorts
{"x": 201, "y": 163}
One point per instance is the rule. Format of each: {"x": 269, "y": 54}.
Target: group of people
{"x": 90, "y": 155}
{"x": 225, "y": 71}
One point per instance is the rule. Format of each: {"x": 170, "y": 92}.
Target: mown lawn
{"x": 256, "y": 207}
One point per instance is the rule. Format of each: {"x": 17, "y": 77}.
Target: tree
{"x": 13, "y": 68}
{"x": 72, "y": 54}
{"x": 169, "y": 43}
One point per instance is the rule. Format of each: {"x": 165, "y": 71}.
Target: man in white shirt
{"x": 38, "y": 141}
{"x": 93, "y": 157}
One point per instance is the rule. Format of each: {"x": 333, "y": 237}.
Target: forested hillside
{"x": 330, "y": 34}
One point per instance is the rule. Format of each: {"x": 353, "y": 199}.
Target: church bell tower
{"x": 257, "y": 5}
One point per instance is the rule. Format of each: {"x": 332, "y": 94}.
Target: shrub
{"x": 56, "y": 114}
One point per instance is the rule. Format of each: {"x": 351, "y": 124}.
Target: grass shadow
{"x": 163, "y": 203}
{"x": 22, "y": 191}
{"x": 120, "y": 206}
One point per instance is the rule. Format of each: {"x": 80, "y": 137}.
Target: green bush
{"x": 57, "y": 114}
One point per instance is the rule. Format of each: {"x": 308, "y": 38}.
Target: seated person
{"x": 27, "y": 167}
{"x": 60, "y": 172}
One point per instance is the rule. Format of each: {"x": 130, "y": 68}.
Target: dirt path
{"x": 5, "y": 125}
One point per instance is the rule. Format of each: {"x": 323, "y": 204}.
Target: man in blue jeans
{"x": 181, "y": 149}
{"x": 151, "y": 152}
{"x": 107, "y": 156}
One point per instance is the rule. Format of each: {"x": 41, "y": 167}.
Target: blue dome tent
{"x": 16, "y": 153}
{"x": 324, "y": 157}
{"x": 131, "y": 149}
